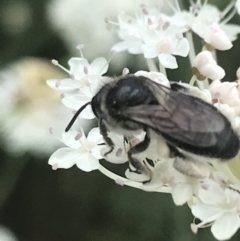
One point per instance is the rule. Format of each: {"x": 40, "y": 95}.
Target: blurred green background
{"x": 39, "y": 204}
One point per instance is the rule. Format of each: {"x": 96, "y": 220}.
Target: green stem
{"x": 151, "y": 65}
{"x": 162, "y": 69}
{"x": 193, "y": 80}
{"x": 192, "y": 55}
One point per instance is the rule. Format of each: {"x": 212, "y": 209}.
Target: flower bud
{"x": 218, "y": 38}
{"x": 206, "y": 66}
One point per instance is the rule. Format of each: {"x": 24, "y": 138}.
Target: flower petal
{"x": 212, "y": 195}
{"x": 74, "y": 102}
{"x": 87, "y": 162}
{"x": 63, "y": 158}
{"x": 168, "y": 61}
{"x": 95, "y": 136}
{"x": 226, "y": 226}
{"x": 96, "y": 152}
{"x": 69, "y": 139}
{"x": 181, "y": 193}
{"x": 149, "y": 52}
{"x": 99, "y": 66}
{"x": 182, "y": 49}
{"x": 77, "y": 66}
{"x": 63, "y": 85}
{"x": 205, "y": 212}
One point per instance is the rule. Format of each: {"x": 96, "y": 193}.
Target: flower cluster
{"x": 214, "y": 193}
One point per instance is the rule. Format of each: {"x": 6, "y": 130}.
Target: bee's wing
{"x": 181, "y": 118}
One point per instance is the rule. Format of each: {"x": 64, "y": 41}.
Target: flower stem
{"x": 151, "y": 65}
{"x": 192, "y": 55}
{"x": 128, "y": 182}
{"x": 193, "y": 80}
{"x": 162, "y": 69}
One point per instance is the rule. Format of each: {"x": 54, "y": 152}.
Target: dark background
{"x": 39, "y": 204}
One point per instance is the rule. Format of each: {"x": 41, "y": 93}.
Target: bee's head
{"x": 96, "y": 106}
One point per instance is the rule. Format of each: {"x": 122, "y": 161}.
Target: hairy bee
{"x": 194, "y": 130}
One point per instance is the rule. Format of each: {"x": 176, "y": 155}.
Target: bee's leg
{"x": 140, "y": 147}
{"x": 187, "y": 165}
{"x": 125, "y": 141}
{"x": 104, "y": 133}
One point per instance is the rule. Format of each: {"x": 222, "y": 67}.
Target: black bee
{"x": 194, "y": 130}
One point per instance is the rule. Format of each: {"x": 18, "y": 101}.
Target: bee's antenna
{"x": 75, "y": 116}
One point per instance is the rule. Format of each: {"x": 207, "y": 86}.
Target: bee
{"x": 193, "y": 130}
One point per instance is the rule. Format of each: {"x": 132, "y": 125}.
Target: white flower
{"x": 184, "y": 188}
{"x": 203, "y": 19}
{"x": 72, "y": 21}
{"x": 207, "y": 66}
{"x": 83, "y": 84}
{"x": 148, "y": 34}
{"x": 84, "y": 77}
{"x": 29, "y": 107}
{"x": 225, "y": 92}
{"x": 82, "y": 151}
{"x": 222, "y": 207}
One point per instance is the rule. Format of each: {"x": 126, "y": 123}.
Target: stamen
{"x": 197, "y": 5}
{"x": 51, "y": 130}
{"x": 125, "y": 71}
{"x": 175, "y": 10}
{"x": 205, "y": 186}
{"x": 114, "y": 23}
{"x": 145, "y": 11}
{"x": 55, "y": 62}
{"x": 57, "y": 84}
{"x": 228, "y": 8}
{"x": 119, "y": 182}
{"x": 205, "y": 2}
{"x": 80, "y": 47}
{"x": 78, "y": 136}
{"x": 150, "y": 21}
{"x": 161, "y": 22}
{"x": 119, "y": 152}
{"x": 177, "y": 6}
{"x": 229, "y": 17}
{"x": 142, "y": 5}
{"x": 55, "y": 166}
{"x": 194, "y": 228}
{"x": 85, "y": 70}
{"x": 179, "y": 35}
{"x": 113, "y": 53}
{"x": 135, "y": 9}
